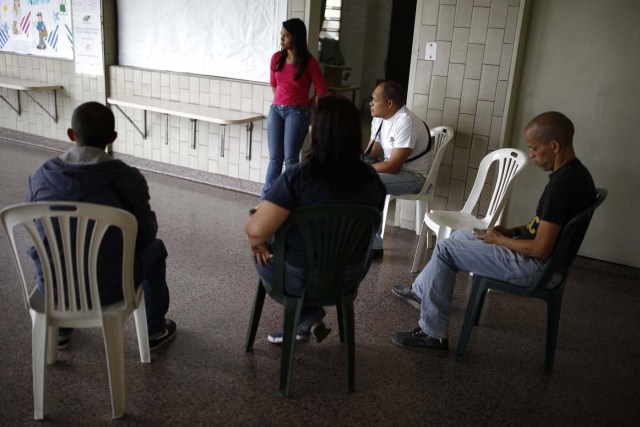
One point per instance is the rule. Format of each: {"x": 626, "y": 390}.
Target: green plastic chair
{"x": 331, "y": 234}
{"x": 550, "y": 286}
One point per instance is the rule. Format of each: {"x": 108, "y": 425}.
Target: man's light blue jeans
{"x": 465, "y": 252}
{"x": 404, "y": 182}
{"x": 287, "y": 127}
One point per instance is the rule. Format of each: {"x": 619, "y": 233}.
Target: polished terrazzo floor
{"x": 205, "y": 378}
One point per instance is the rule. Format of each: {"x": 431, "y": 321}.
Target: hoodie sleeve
{"x": 135, "y": 190}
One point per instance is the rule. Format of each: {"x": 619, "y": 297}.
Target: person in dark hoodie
{"x": 86, "y": 173}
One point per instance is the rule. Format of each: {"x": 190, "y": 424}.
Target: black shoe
{"x": 377, "y": 253}
{"x": 63, "y": 340}
{"x": 407, "y": 295}
{"x": 320, "y": 331}
{"x": 163, "y": 338}
{"x": 419, "y": 341}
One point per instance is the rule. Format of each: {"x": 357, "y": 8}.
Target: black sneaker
{"x": 159, "y": 340}
{"x": 407, "y": 295}
{"x": 377, "y": 253}
{"x": 419, "y": 341}
{"x": 63, "y": 340}
{"x": 320, "y": 331}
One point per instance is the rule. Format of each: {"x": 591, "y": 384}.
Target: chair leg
{"x": 52, "y": 345}
{"x": 254, "y": 321}
{"x": 420, "y": 206}
{"x": 140, "y": 316}
{"x": 554, "y": 304}
{"x": 341, "y": 329}
{"x": 113, "y": 334}
{"x": 387, "y": 199}
{"x": 472, "y": 308}
{"x": 38, "y": 351}
{"x": 483, "y": 296}
{"x": 348, "y": 322}
{"x": 292, "y": 308}
{"x": 420, "y": 247}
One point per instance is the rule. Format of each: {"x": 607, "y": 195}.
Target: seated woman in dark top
{"x": 332, "y": 173}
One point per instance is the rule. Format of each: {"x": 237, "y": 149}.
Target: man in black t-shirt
{"x": 516, "y": 255}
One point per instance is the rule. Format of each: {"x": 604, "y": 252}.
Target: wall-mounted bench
{"x": 20, "y": 85}
{"x": 193, "y": 112}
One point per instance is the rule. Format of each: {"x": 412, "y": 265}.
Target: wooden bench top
{"x": 20, "y": 84}
{"x": 192, "y": 111}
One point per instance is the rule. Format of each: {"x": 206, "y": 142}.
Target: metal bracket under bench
{"x": 20, "y": 85}
{"x": 220, "y": 116}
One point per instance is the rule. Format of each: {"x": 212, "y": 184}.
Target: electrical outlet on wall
{"x": 430, "y": 51}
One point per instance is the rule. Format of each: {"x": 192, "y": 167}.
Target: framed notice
{"x": 88, "y": 37}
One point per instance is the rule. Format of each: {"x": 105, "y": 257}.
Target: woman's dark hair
{"x": 300, "y": 50}
{"x": 336, "y": 146}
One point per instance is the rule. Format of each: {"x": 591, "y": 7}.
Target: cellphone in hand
{"x": 480, "y": 232}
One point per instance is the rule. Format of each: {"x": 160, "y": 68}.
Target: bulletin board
{"x": 36, "y": 27}
{"x": 225, "y": 38}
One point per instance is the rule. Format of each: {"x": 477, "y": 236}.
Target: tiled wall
{"x": 76, "y": 89}
{"x": 195, "y": 89}
{"x": 465, "y": 87}
{"x": 178, "y": 150}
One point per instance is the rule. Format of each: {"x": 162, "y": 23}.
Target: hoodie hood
{"x": 78, "y": 174}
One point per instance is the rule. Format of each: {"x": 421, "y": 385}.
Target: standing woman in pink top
{"x": 293, "y": 70}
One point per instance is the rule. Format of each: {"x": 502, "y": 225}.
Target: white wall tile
{"x": 479, "y": 23}
{"x": 479, "y": 145}
{"x": 498, "y": 14}
{"x": 464, "y": 9}
{"x": 493, "y": 47}
{"x": 445, "y": 23}
{"x": 423, "y": 77}
{"x": 441, "y": 64}
{"x": 460, "y": 162}
{"x": 464, "y": 130}
{"x": 475, "y": 53}
{"x": 470, "y": 88}
{"x": 511, "y": 24}
{"x": 454, "y": 81}
{"x": 483, "y": 118}
{"x": 459, "y": 45}
{"x": 455, "y": 200}
{"x": 488, "y": 83}
{"x": 501, "y": 94}
{"x": 505, "y": 62}
{"x": 450, "y": 112}
{"x": 494, "y": 137}
{"x": 436, "y": 96}
{"x": 430, "y": 10}
{"x": 420, "y": 105}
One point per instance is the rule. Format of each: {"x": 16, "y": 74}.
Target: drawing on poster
{"x": 36, "y": 27}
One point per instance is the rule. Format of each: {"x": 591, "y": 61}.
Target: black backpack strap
{"x": 417, "y": 156}
{"x": 370, "y": 147}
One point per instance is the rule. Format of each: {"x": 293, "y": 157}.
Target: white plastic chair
{"x": 510, "y": 163}
{"x": 77, "y": 229}
{"x": 440, "y": 136}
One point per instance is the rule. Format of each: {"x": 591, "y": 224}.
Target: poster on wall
{"x": 88, "y": 37}
{"x": 36, "y": 27}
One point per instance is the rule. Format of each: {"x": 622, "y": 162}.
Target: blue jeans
{"x": 465, "y": 252}
{"x": 294, "y": 285}
{"x": 404, "y": 182}
{"x": 287, "y": 127}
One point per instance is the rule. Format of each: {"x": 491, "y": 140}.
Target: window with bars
{"x": 331, "y": 22}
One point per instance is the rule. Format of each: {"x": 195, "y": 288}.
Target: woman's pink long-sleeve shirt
{"x": 296, "y": 92}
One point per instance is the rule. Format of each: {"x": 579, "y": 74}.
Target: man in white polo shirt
{"x": 399, "y": 145}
